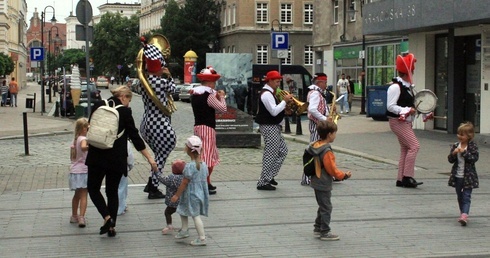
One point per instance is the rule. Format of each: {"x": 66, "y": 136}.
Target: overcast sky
{"x": 63, "y": 7}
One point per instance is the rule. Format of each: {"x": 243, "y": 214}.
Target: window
{"x": 352, "y": 3}
{"x": 308, "y": 14}
{"x": 286, "y": 13}
{"x": 335, "y": 11}
{"x": 289, "y": 60}
{"x": 308, "y": 55}
{"x": 233, "y": 15}
{"x": 262, "y": 54}
{"x": 228, "y": 17}
{"x": 262, "y": 13}
{"x": 223, "y": 22}
{"x": 233, "y": 50}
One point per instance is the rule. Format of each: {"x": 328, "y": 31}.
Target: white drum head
{"x": 425, "y": 101}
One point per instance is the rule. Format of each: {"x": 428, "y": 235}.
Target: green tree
{"x": 71, "y": 56}
{"x": 6, "y": 64}
{"x": 116, "y": 42}
{"x": 191, "y": 27}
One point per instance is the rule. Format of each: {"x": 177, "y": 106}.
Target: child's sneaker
{"x": 329, "y": 237}
{"x": 167, "y": 230}
{"x": 463, "y": 220}
{"x": 182, "y": 234}
{"x": 81, "y": 222}
{"x": 317, "y": 233}
{"x": 198, "y": 241}
{"x": 74, "y": 219}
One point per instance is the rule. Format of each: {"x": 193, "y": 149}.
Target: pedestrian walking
{"x": 172, "y": 182}
{"x": 14, "y": 90}
{"x": 193, "y": 192}
{"x": 269, "y": 117}
{"x": 351, "y": 91}
{"x": 112, "y": 163}
{"x": 4, "y": 89}
{"x": 343, "y": 92}
{"x": 463, "y": 155}
{"x": 206, "y": 101}
{"x": 78, "y": 172}
{"x": 122, "y": 190}
{"x": 322, "y": 181}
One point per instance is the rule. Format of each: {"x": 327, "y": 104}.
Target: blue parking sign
{"x": 280, "y": 40}
{"x": 37, "y": 54}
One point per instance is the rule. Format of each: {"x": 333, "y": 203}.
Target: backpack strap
{"x": 318, "y": 158}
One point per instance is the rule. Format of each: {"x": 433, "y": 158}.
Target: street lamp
{"x": 53, "y": 22}
{"x": 51, "y": 63}
{"x": 213, "y": 45}
{"x": 352, "y": 12}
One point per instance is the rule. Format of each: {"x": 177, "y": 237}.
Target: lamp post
{"x": 51, "y": 62}
{"x": 53, "y": 22}
{"x": 352, "y": 12}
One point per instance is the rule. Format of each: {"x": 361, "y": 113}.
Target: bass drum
{"x": 425, "y": 101}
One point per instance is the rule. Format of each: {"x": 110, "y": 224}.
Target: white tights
{"x": 197, "y": 222}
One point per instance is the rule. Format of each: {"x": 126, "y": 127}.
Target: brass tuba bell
{"x": 163, "y": 45}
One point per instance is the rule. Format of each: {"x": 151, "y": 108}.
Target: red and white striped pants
{"x": 409, "y": 147}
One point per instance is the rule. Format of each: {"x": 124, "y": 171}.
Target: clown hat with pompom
{"x": 208, "y": 75}
{"x": 153, "y": 57}
{"x": 406, "y": 64}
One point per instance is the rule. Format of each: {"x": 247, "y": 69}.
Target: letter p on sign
{"x": 37, "y": 54}
{"x": 280, "y": 40}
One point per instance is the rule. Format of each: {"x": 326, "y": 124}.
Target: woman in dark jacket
{"x": 112, "y": 163}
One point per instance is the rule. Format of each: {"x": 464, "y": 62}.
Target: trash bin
{"x": 79, "y": 111}
{"x": 376, "y": 106}
{"x": 29, "y": 102}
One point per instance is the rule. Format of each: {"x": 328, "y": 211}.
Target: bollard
{"x": 57, "y": 109}
{"x": 299, "y": 130}
{"x": 287, "y": 127}
{"x": 26, "y": 139}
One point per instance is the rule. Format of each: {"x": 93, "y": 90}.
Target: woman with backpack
{"x": 111, "y": 163}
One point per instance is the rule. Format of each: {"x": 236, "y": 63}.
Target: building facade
{"x": 54, "y": 39}
{"x": 247, "y": 27}
{"x": 452, "y": 51}
{"x": 13, "y": 37}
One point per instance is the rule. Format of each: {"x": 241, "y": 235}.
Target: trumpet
{"x": 295, "y": 105}
{"x": 333, "y": 109}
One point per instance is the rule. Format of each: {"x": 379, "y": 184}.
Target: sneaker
{"x": 182, "y": 234}
{"x": 329, "y": 237}
{"x": 81, "y": 222}
{"x": 463, "y": 220}
{"x": 267, "y": 187}
{"x": 167, "y": 230}
{"x": 198, "y": 241}
{"x": 74, "y": 219}
{"x": 317, "y": 233}
{"x": 211, "y": 187}
{"x": 156, "y": 195}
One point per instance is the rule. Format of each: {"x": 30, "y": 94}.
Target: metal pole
{"x": 49, "y": 68}
{"x": 26, "y": 139}
{"x": 43, "y": 105}
{"x": 363, "y": 77}
{"x": 87, "y": 59}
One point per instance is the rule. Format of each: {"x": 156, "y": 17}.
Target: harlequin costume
{"x": 155, "y": 127}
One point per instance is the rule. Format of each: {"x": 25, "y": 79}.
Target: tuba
{"x": 333, "y": 109}
{"x": 297, "y": 105}
{"x": 163, "y": 45}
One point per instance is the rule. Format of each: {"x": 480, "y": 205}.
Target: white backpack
{"x": 104, "y": 125}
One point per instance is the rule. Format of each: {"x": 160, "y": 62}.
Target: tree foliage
{"x": 190, "y": 27}
{"x": 6, "y": 64}
{"x": 116, "y": 42}
{"x": 69, "y": 57}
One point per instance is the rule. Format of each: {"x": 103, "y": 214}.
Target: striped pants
{"x": 275, "y": 151}
{"x": 409, "y": 146}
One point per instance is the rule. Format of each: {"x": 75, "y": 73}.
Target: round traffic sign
{"x": 84, "y": 17}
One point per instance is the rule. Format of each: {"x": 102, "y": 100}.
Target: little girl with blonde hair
{"x": 78, "y": 172}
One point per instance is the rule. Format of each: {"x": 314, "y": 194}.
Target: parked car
{"x": 95, "y": 93}
{"x": 66, "y": 105}
{"x": 176, "y": 94}
{"x": 102, "y": 81}
{"x": 184, "y": 94}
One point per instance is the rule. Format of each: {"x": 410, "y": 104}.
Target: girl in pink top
{"x": 78, "y": 172}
